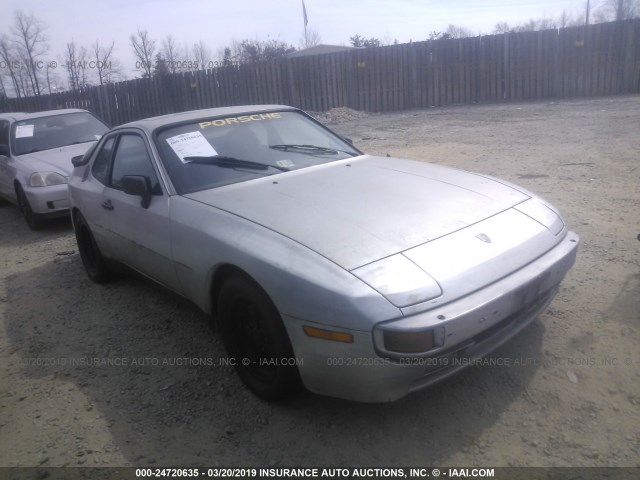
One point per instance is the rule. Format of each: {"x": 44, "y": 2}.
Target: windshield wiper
{"x": 232, "y": 162}
{"x": 311, "y": 149}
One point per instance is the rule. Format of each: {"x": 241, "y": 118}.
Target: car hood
{"x": 55, "y": 159}
{"x": 359, "y": 210}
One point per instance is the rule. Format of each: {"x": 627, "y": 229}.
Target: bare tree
{"x": 546, "y": 23}
{"x": 83, "y": 64}
{"x": 310, "y": 38}
{"x": 49, "y": 76}
{"x": 188, "y": 63}
{"x": 143, "y": 48}
{"x": 230, "y": 55}
{"x": 456, "y": 31}
{"x": 71, "y": 63}
{"x": 202, "y": 55}
{"x": 625, "y": 9}
{"x": 611, "y": 10}
{"x": 103, "y": 61}
{"x": 171, "y": 54}
{"x": 23, "y": 81}
{"x": 76, "y": 61}
{"x": 31, "y": 43}
{"x": 530, "y": 26}
{"x": 7, "y": 55}
{"x": 114, "y": 74}
{"x": 501, "y": 27}
{"x": 564, "y": 20}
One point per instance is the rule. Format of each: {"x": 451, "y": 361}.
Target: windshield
{"x": 219, "y": 151}
{"x": 55, "y": 131}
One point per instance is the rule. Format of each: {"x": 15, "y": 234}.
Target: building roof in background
{"x": 319, "y": 50}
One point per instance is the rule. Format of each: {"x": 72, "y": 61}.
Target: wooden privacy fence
{"x": 595, "y": 60}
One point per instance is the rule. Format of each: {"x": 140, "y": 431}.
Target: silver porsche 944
{"x": 356, "y": 276}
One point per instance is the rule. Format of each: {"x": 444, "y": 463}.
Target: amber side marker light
{"x": 328, "y": 334}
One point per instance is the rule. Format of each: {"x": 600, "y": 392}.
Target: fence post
{"x": 506, "y": 82}
{"x": 294, "y": 97}
{"x": 413, "y": 77}
{"x": 350, "y": 100}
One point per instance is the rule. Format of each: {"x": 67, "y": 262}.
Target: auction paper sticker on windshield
{"x": 192, "y": 144}
{"x": 23, "y": 131}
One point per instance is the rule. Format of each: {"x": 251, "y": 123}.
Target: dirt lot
{"x": 568, "y": 392}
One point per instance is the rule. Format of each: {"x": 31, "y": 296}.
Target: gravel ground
{"x": 567, "y": 392}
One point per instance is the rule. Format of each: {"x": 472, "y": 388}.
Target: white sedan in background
{"x": 360, "y": 277}
{"x": 35, "y": 159}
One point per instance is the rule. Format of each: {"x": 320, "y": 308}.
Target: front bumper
{"x": 53, "y": 200}
{"x": 472, "y": 327}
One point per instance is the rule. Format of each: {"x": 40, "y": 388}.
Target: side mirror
{"x": 346, "y": 139}
{"x": 138, "y": 185}
{"x": 78, "y": 161}
{"x": 4, "y": 150}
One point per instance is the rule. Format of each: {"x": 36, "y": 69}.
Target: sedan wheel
{"x": 256, "y": 339}
{"x": 93, "y": 261}
{"x": 34, "y": 221}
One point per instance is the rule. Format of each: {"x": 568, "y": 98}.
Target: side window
{"x": 4, "y": 132}
{"x": 132, "y": 158}
{"x": 100, "y": 169}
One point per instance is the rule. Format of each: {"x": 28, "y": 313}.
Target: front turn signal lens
{"x": 328, "y": 334}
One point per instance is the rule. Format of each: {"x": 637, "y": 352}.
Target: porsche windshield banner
{"x": 220, "y": 122}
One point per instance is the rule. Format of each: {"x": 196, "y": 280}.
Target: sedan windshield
{"x": 55, "y": 131}
{"x": 213, "y": 152}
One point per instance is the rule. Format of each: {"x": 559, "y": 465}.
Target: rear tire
{"x": 92, "y": 259}
{"x": 34, "y": 220}
{"x": 256, "y": 339}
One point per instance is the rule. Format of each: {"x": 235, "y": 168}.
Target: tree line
{"x": 27, "y": 68}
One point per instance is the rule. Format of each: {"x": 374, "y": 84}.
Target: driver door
{"x": 140, "y": 236}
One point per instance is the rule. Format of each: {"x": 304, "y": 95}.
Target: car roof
{"x": 150, "y": 124}
{"x": 17, "y": 116}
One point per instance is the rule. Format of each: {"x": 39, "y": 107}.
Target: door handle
{"x": 107, "y": 205}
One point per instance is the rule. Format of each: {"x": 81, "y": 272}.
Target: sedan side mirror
{"x": 4, "y": 150}
{"x": 78, "y": 161}
{"x": 346, "y": 139}
{"x": 138, "y": 185}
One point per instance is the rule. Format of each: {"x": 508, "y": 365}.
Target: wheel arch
{"x": 75, "y": 211}
{"x": 220, "y": 274}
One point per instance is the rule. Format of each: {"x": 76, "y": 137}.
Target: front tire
{"x": 34, "y": 221}
{"x": 92, "y": 259}
{"x": 256, "y": 339}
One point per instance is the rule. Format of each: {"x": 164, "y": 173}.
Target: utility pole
{"x": 586, "y": 22}
{"x": 619, "y": 12}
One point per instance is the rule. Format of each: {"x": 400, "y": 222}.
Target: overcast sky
{"x": 219, "y": 22}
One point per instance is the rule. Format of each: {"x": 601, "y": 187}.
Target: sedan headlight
{"x": 400, "y": 280}
{"x": 46, "y": 179}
